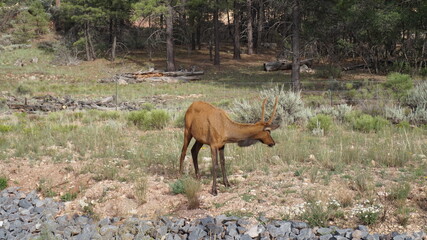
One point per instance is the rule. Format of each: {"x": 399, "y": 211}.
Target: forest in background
{"x": 383, "y": 35}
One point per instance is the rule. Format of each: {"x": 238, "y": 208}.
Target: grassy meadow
{"x": 366, "y": 162}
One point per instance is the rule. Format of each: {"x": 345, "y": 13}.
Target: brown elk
{"x": 212, "y": 126}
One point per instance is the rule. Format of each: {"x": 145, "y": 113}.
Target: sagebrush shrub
{"x": 417, "y": 101}
{"x": 395, "y": 114}
{"x": 290, "y": 107}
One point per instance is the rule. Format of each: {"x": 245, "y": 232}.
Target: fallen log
{"x": 285, "y": 65}
{"x": 154, "y": 76}
{"x": 358, "y": 66}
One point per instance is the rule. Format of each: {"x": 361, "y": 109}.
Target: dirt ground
{"x": 275, "y": 194}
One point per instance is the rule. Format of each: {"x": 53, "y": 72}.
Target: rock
{"x": 305, "y": 233}
{"x": 324, "y": 231}
{"x": 357, "y": 234}
{"x": 254, "y": 231}
{"x": 24, "y": 203}
{"x": 108, "y": 230}
{"x": 325, "y": 237}
{"x": 197, "y": 234}
{"x": 299, "y": 225}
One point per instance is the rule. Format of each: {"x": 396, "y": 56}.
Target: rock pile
{"x": 25, "y": 216}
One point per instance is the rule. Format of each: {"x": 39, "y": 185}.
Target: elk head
{"x": 264, "y": 135}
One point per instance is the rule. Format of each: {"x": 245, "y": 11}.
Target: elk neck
{"x": 235, "y": 132}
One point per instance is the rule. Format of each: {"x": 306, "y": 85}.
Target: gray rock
{"x": 325, "y": 237}
{"x": 299, "y": 225}
{"x": 197, "y": 234}
{"x": 24, "y": 203}
{"x": 245, "y": 237}
{"x": 104, "y": 222}
{"x": 305, "y": 233}
{"x": 324, "y": 231}
{"x": 399, "y": 237}
{"x": 373, "y": 237}
{"x": 108, "y": 230}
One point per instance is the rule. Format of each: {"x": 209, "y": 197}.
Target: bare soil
{"x": 274, "y": 193}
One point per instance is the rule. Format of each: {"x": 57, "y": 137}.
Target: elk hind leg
{"x": 194, "y": 153}
{"x": 187, "y": 139}
{"x": 224, "y": 173}
{"x": 214, "y": 152}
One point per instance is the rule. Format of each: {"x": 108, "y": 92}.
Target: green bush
{"x": 24, "y": 90}
{"x": 147, "y": 120}
{"x": 329, "y": 71}
{"x": 5, "y": 128}
{"x": 320, "y": 121}
{"x": 399, "y": 84}
{"x": 366, "y": 123}
{"x": 3, "y": 183}
{"x": 68, "y": 197}
{"x": 179, "y": 121}
{"x": 177, "y": 187}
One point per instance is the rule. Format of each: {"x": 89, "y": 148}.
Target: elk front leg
{"x": 214, "y": 152}
{"x": 187, "y": 139}
{"x": 224, "y": 173}
{"x": 194, "y": 153}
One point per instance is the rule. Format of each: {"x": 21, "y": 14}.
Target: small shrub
{"x": 399, "y": 84}
{"x": 418, "y": 116}
{"x": 177, "y": 187}
{"x": 320, "y": 121}
{"x": 24, "y": 90}
{"x": 192, "y": 188}
{"x": 157, "y": 119}
{"x": 395, "y": 114}
{"x": 5, "y": 128}
{"x": 68, "y": 197}
{"x": 3, "y": 183}
{"x": 367, "y": 123}
{"x": 179, "y": 121}
{"x": 147, "y": 120}
{"x": 329, "y": 71}
{"x": 367, "y": 213}
{"x": 290, "y": 107}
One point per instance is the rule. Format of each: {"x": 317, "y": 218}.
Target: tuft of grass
{"x": 399, "y": 192}
{"x": 3, "y": 183}
{"x": 45, "y": 188}
{"x": 363, "y": 183}
{"x": 192, "y": 188}
{"x": 68, "y": 197}
{"x": 403, "y": 215}
{"x": 141, "y": 190}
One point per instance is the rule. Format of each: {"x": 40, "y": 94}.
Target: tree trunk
{"x": 170, "y": 55}
{"x": 260, "y": 24}
{"x": 88, "y": 57}
{"x": 236, "y": 45}
{"x": 250, "y": 29}
{"x": 198, "y": 35}
{"x": 295, "y": 76}
{"x": 58, "y": 3}
{"x": 216, "y": 34}
{"x": 113, "y": 49}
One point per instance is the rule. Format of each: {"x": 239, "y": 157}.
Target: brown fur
{"x": 212, "y": 126}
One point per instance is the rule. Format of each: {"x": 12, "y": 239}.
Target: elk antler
{"x": 263, "y": 109}
{"x": 274, "y": 111}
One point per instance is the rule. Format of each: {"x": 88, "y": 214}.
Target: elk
{"x": 212, "y": 126}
